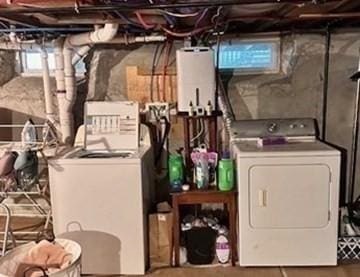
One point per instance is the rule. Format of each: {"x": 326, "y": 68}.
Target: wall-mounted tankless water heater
{"x": 195, "y": 79}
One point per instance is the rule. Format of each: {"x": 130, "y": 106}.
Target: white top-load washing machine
{"x": 101, "y": 193}
{"x": 288, "y": 185}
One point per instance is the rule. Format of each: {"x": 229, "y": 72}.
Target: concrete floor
{"x": 350, "y": 270}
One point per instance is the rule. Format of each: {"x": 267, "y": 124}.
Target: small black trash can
{"x": 200, "y": 245}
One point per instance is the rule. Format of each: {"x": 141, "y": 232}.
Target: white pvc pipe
{"x": 101, "y": 35}
{"x": 80, "y": 54}
{"x": 49, "y": 108}
{"x": 132, "y": 39}
{"x": 64, "y": 62}
{"x": 66, "y": 103}
{"x": 59, "y": 64}
{"x": 65, "y": 113}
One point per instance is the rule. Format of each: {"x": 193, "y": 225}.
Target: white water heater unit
{"x": 195, "y": 78}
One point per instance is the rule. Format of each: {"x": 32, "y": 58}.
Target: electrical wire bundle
{"x": 172, "y": 18}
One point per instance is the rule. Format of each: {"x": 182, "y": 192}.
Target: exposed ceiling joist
{"x": 21, "y": 20}
{"x": 132, "y": 7}
{"x": 179, "y": 18}
{"x": 346, "y": 5}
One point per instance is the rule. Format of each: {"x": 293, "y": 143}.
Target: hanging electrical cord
{"x": 217, "y": 69}
{"x": 127, "y": 20}
{"x": 157, "y": 76}
{"x": 165, "y": 65}
{"x": 217, "y": 16}
{"x": 163, "y": 140}
{"x": 200, "y": 133}
{"x": 169, "y": 19}
{"x": 201, "y": 17}
{"x": 153, "y": 67}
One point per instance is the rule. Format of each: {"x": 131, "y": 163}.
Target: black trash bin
{"x": 200, "y": 245}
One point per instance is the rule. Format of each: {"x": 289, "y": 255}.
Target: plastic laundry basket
{"x": 9, "y": 262}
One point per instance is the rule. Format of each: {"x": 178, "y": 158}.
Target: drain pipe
{"x": 67, "y": 101}
{"x": 80, "y": 54}
{"x": 65, "y": 117}
{"x": 49, "y": 108}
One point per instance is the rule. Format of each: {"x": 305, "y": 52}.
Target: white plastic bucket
{"x": 10, "y": 261}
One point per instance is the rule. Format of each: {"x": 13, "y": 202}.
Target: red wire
{"x": 172, "y": 33}
{"x": 165, "y": 64}
{"x": 143, "y": 23}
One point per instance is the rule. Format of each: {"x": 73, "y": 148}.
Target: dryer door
{"x": 289, "y": 196}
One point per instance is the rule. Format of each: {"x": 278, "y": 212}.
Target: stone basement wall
{"x": 295, "y": 92}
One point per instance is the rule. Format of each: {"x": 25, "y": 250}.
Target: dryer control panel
{"x": 262, "y": 128}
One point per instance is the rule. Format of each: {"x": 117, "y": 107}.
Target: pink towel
{"x": 49, "y": 256}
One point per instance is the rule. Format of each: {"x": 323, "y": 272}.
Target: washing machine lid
{"x": 79, "y": 155}
{"x": 292, "y": 148}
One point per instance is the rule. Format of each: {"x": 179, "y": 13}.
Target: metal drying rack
{"x": 34, "y": 203}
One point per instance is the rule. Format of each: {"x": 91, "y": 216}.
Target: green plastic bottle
{"x": 226, "y": 174}
{"x": 176, "y": 173}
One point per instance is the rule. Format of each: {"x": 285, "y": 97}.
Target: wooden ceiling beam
{"x": 25, "y": 21}
{"x": 346, "y": 5}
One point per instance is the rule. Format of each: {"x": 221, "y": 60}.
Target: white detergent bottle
{"x": 222, "y": 246}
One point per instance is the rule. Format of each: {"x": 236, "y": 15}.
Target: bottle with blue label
{"x": 202, "y": 172}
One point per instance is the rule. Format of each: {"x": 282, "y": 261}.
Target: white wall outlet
{"x": 156, "y": 110}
